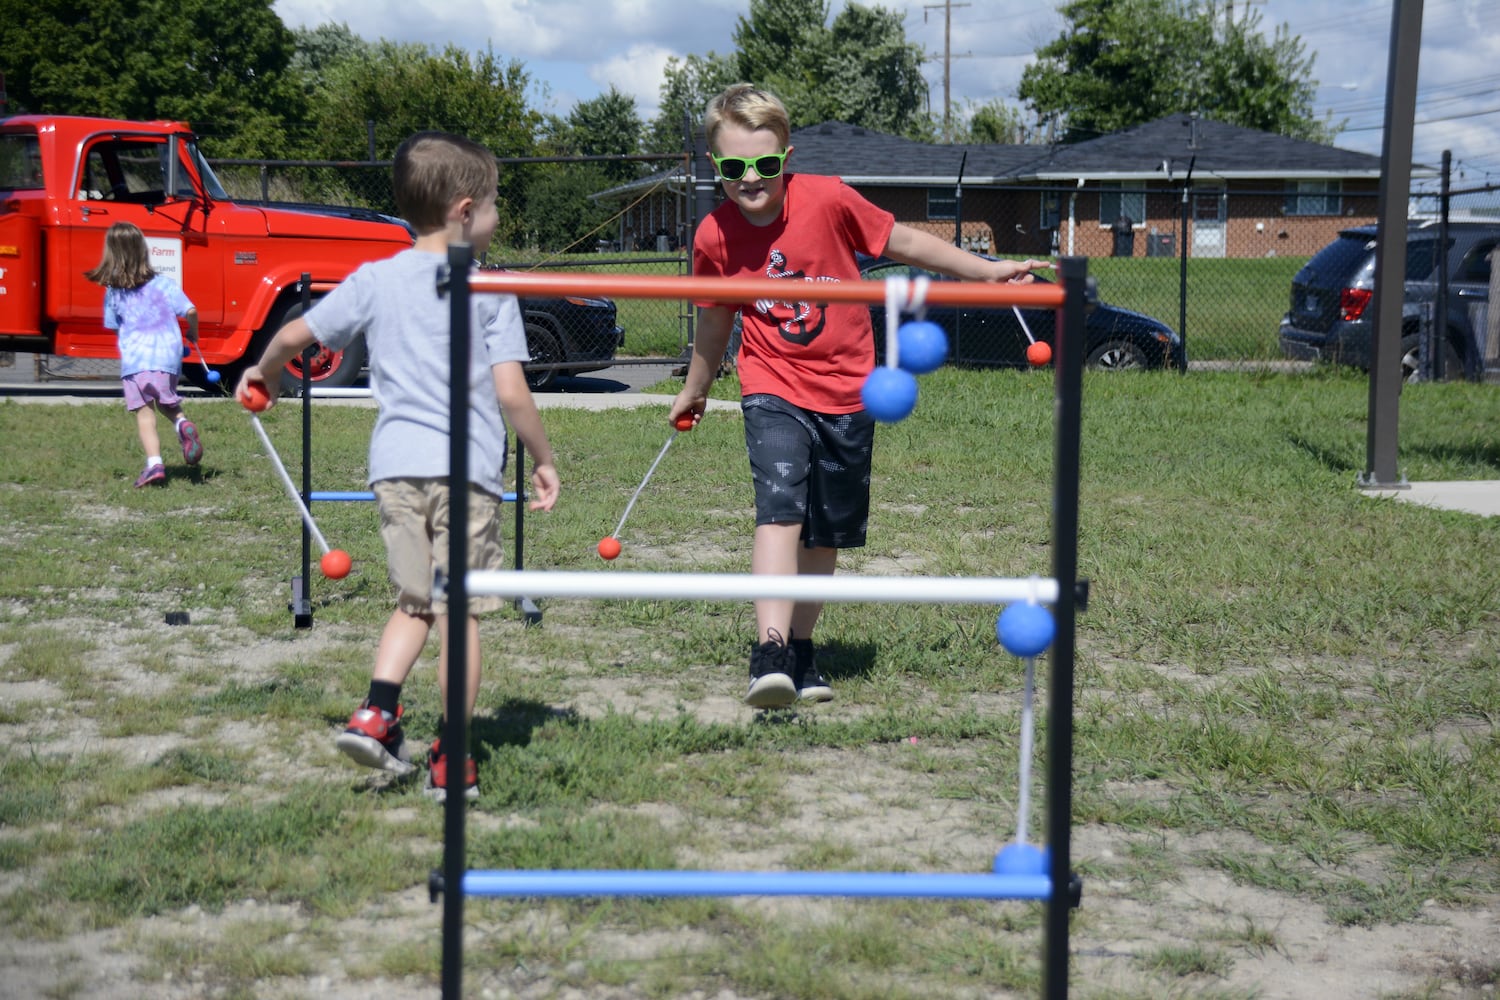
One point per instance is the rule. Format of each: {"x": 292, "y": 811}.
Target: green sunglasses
{"x": 732, "y": 168}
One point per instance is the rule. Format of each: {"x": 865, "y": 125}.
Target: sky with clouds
{"x": 576, "y": 49}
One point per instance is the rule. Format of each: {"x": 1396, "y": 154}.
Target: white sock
{"x": 153, "y": 460}
{"x": 178, "y": 422}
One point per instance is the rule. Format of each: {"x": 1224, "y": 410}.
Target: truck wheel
{"x": 332, "y": 369}
{"x": 545, "y": 350}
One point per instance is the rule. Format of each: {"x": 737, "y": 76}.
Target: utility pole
{"x": 948, "y": 57}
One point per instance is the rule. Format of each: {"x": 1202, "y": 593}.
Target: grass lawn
{"x": 1287, "y": 747}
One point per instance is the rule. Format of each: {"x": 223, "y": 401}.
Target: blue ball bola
{"x": 1021, "y": 859}
{"x": 890, "y": 394}
{"x": 923, "y": 346}
{"x": 213, "y": 377}
{"x": 186, "y": 350}
{"x": 1025, "y": 629}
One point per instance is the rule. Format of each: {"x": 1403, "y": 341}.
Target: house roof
{"x": 864, "y": 157}
{"x": 1215, "y": 149}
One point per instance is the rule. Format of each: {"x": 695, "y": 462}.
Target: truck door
{"x": 123, "y": 178}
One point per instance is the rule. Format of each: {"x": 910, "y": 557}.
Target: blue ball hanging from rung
{"x": 1025, "y": 629}
{"x": 890, "y": 394}
{"x": 1022, "y": 859}
{"x": 923, "y": 346}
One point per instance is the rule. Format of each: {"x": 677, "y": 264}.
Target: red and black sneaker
{"x": 374, "y": 739}
{"x": 437, "y": 776}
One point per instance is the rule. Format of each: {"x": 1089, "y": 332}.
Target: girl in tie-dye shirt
{"x": 143, "y": 306}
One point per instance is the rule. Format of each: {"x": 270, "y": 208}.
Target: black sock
{"x": 385, "y": 696}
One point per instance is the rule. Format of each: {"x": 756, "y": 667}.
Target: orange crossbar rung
{"x": 731, "y": 291}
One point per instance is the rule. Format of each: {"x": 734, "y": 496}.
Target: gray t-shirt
{"x": 395, "y": 303}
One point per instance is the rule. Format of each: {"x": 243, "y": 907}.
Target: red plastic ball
{"x": 1039, "y": 354}
{"x": 609, "y": 547}
{"x": 684, "y": 422}
{"x": 335, "y": 564}
{"x": 254, "y": 398}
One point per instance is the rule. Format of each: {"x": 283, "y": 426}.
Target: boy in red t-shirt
{"x": 801, "y": 365}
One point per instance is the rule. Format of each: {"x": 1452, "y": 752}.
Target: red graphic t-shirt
{"x": 812, "y": 355}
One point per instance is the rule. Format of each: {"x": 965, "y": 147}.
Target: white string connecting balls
{"x": 912, "y": 348}
{"x": 1025, "y": 630}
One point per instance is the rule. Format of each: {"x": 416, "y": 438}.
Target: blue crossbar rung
{"x": 709, "y": 883}
{"x": 367, "y": 495}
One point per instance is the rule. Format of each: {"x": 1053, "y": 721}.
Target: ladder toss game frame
{"x": 1057, "y": 887}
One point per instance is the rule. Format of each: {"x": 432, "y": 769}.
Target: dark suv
{"x": 1331, "y": 316}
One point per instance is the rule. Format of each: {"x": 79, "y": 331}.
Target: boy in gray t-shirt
{"x": 445, "y": 187}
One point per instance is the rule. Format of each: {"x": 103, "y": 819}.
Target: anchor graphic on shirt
{"x": 807, "y": 320}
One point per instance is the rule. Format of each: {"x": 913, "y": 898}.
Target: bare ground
{"x": 877, "y": 806}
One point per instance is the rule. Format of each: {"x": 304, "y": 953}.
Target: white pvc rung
{"x": 750, "y": 587}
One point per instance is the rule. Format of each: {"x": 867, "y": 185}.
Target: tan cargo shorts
{"x": 414, "y": 527}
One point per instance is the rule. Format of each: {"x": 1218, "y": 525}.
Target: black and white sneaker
{"x": 771, "y": 684}
{"x": 811, "y": 684}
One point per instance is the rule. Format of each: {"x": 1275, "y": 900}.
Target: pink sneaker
{"x": 192, "y": 448}
{"x": 153, "y": 474}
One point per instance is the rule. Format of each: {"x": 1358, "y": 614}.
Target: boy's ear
{"x": 461, "y": 210}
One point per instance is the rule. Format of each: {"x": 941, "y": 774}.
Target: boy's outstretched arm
{"x": 710, "y": 338}
{"x": 521, "y": 413}
{"x": 290, "y": 341}
{"x": 923, "y": 249}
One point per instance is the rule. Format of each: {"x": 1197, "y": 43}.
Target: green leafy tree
{"x": 222, "y": 65}
{"x": 607, "y": 125}
{"x": 686, "y": 89}
{"x": 995, "y": 122}
{"x": 860, "y": 69}
{"x": 1119, "y": 63}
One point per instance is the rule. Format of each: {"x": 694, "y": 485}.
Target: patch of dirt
{"x": 889, "y": 804}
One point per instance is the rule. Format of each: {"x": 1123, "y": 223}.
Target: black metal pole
{"x": 1068, "y": 389}
{"x": 455, "y": 728}
{"x": 302, "y": 613}
{"x": 1182, "y": 253}
{"x": 1439, "y": 329}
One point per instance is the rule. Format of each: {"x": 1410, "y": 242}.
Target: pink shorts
{"x": 144, "y": 388}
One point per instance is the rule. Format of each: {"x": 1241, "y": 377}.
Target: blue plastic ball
{"x": 923, "y": 346}
{"x": 213, "y": 377}
{"x": 1021, "y": 859}
{"x": 1025, "y": 629}
{"x": 186, "y": 350}
{"x": 890, "y": 394}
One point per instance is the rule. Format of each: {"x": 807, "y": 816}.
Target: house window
{"x": 1314, "y": 198}
{"x": 940, "y": 205}
{"x": 1115, "y": 201}
{"x": 1051, "y": 215}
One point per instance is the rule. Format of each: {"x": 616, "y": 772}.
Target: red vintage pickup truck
{"x": 65, "y": 180}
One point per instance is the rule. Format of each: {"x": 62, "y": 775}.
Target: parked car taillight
{"x": 1352, "y": 302}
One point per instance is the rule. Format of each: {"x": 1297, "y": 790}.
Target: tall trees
{"x": 220, "y": 64}
{"x": 1123, "y": 62}
{"x": 860, "y": 69}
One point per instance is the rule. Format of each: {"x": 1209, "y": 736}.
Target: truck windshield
{"x": 20, "y": 162}
{"x": 210, "y": 179}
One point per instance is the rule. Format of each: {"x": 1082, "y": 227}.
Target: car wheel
{"x": 1117, "y": 355}
{"x": 545, "y": 350}
{"x": 1411, "y": 360}
{"x": 330, "y": 369}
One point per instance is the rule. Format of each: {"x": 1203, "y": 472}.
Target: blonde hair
{"x": 435, "y": 169}
{"x": 126, "y": 262}
{"x": 749, "y": 107}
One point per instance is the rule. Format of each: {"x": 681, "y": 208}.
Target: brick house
{"x": 1251, "y": 193}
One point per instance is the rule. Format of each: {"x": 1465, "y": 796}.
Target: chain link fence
{"x": 1214, "y": 263}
